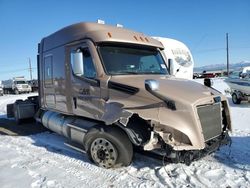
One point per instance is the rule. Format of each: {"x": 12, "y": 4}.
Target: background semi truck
{"x": 108, "y": 90}
{"x": 16, "y": 85}
{"x": 179, "y": 58}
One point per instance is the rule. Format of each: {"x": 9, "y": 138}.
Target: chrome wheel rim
{"x": 103, "y": 152}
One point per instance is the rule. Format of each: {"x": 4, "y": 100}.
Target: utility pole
{"x": 227, "y": 55}
{"x": 30, "y": 69}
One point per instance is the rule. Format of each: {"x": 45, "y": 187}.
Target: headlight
{"x": 172, "y": 136}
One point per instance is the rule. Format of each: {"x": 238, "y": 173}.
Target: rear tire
{"x": 108, "y": 147}
{"x": 236, "y": 99}
{"x": 16, "y": 92}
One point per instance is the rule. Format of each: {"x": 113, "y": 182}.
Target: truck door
{"x": 85, "y": 85}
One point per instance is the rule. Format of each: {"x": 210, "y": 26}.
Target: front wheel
{"x": 108, "y": 147}
{"x": 16, "y": 92}
{"x": 236, "y": 99}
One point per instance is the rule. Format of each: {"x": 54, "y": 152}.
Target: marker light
{"x": 109, "y": 34}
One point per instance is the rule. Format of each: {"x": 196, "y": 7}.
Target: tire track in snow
{"x": 76, "y": 168}
{"x": 37, "y": 157}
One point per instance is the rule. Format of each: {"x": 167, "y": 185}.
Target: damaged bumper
{"x": 188, "y": 156}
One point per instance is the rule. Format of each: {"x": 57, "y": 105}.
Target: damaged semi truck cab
{"x": 108, "y": 89}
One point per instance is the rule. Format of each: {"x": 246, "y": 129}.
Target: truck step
{"x": 75, "y": 146}
{"x": 78, "y": 127}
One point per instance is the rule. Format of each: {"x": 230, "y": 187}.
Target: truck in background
{"x": 1, "y": 89}
{"x": 34, "y": 85}
{"x": 178, "y": 57}
{"x": 239, "y": 83}
{"x": 108, "y": 90}
{"x": 16, "y": 85}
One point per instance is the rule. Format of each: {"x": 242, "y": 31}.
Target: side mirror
{"x": 77, "y": 63}
{"x": 151, "y": 85}
{"x": 208, "y": 82}
{"x": 171, "y": 66}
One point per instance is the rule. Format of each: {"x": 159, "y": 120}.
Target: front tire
{"x": 108, "y": 147}
{"x": 236, "y": 99}
{"x": 16, "y": 92}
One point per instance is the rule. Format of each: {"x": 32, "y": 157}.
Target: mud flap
{"x": 10, "y": 111}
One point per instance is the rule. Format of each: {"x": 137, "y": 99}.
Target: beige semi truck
{"x": 108, "y": 89}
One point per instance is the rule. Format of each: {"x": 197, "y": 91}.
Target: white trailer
{"x": 179, "y": 58}
{"x": 246, "y": 70}
{"x": 16, "y": 85}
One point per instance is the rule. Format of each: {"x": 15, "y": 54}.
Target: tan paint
{"x": 109, "y": 105}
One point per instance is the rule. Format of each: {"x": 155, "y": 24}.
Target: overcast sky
{"x": 202, "y": 25}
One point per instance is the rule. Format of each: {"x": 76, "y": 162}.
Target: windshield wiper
{"x": 125, "y": 72}
{"x": 134, "y": 73}
{"x": 130, "y": 72}
{"x": 151, "y": 73}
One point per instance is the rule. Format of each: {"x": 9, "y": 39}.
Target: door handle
{"x": 75, "y": 102}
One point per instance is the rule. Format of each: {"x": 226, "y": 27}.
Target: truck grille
{"x": 24, "y": 86}
{"x": 210, "y": 118}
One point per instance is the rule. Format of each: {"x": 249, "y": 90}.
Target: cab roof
{"x": 97, "y": 33}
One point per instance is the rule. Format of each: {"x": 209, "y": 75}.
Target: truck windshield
{"x": 130, "y": 60}
{"x": 20, "y": 82}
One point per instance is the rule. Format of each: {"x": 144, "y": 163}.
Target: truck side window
{"x": 48, "y": 71}
{"x": 88, "y": 65}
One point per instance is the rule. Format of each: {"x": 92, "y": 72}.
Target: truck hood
{"x": 176, "y": 89}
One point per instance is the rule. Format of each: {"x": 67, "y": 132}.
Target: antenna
{"x": 227, "y": 55}
{"x": 30, "y": 69}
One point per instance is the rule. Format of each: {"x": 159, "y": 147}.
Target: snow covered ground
{"x": 8, "y": 99}
{"x": 42, "y": 160}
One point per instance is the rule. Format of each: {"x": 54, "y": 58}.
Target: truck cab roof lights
{"x": 142, "y": 39}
